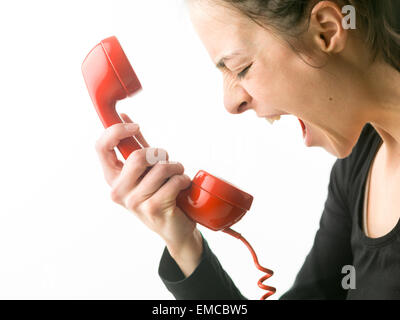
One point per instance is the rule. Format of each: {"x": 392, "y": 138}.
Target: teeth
{"x": 271, "y": 120}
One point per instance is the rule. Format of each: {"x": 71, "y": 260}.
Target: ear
{"x": 326, "y": 27}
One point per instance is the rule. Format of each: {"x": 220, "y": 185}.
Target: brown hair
{"x": 378, "y": 21}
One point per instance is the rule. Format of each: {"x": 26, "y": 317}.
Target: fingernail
{"x": 131, "y": 126}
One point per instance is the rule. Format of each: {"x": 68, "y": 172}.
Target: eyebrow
{"x": 221, "y": 63}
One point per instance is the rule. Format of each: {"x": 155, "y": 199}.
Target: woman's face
{"x": 266, "y": 75}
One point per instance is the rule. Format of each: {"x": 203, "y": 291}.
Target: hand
{"x": 147, "y": 190}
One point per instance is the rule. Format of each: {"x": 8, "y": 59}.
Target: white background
{"x": 61, "y": 236}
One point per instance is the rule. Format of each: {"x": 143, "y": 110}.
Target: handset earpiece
{"x": 110, "y": 77}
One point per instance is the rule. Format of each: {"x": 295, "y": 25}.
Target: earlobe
{"x": 326, "y": 27}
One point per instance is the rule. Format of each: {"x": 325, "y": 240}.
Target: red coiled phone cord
{"x": 268, "y": 272}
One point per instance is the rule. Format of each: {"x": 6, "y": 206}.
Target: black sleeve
{"x": 319, "y": 277}
{"x": 209, "y": 281}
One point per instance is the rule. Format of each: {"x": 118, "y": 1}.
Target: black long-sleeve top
{"x": 340, "y": 241}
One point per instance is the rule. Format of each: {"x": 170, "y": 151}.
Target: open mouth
{"x": 307, "y": 135}
{"x": 305, "y": 130}
{"x": 303, "y": 127}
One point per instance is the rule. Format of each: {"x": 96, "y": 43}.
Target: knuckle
{"x": 169, "y": 169}
{"x": 185, "y": 179}
{"x": 109, "y": 132}
{"x": 115, "y": 132}
{"x": 152, "y": 207}
{"x": 179, "y": 180}
{"x": 173, "y": 182}
{"x": 182, "y": 181}
{"x": 114, "y": 195}
{"x": 116, "y": 128}
{"x": 99, "y": 145}
{"x": 132, "y": 203}
{"x": 137, "y": 158}
{"x": 163, "y": 169}
{"x": 180, "y": 167}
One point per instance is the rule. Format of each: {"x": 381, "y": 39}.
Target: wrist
{"x": 188, "y": 254}
{"x": 193, "y": 242}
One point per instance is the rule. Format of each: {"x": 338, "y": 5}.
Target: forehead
{"x": 221, "y": 28}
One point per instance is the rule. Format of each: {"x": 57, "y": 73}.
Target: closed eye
{"x": 243, "y": 73}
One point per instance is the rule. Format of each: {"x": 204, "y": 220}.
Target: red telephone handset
{"x": 210, "y": 201}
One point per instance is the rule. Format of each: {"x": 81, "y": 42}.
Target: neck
{"x": 384, "y": 109}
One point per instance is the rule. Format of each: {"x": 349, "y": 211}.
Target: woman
{"x": 282, "y": 57}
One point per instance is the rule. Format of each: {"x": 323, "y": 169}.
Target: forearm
{"x": 188, "y": 255}
{"x": 202, "y": 276}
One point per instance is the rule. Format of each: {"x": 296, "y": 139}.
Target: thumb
{"x": 139, "y": 135}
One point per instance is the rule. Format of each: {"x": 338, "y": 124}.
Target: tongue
{"x": 303, "y": 127}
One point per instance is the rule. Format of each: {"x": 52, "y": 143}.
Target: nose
{"x": 237, "y": 100}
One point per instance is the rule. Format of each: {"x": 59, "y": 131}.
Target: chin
{"x": 340, "y": 151}
{"x": 336, "y": 145}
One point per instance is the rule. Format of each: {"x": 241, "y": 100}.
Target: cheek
{"x": 286, "y": 81}
{"x": 282, "y": 82}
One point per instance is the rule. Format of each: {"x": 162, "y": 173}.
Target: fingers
{"x": 170, "y": 190}
{"x": 160, "y": 201}
{"x": 131, "y": 174}
{"x": 135, "y": 175}
{"x": 105, "y": 148}
{"x": 138, "y": 135}
{"x": 157, "y": 176}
